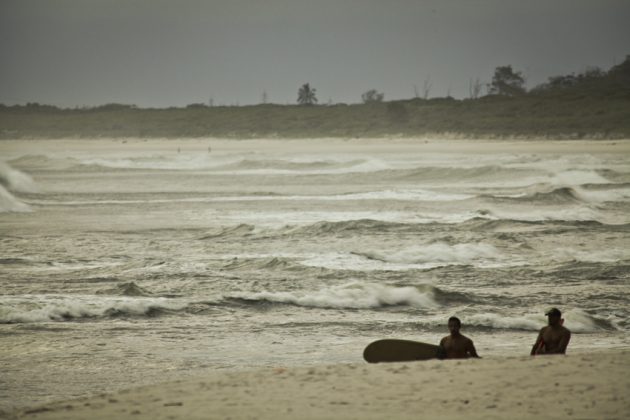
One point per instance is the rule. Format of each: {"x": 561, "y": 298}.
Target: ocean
{"x": 125, "y": 263}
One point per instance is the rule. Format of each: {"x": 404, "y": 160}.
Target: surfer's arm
{"x": 538, "y": 343}
{"x": 441, "y": 350}
{"x": 564, "y": 342}
{"x": 471, "y": 350}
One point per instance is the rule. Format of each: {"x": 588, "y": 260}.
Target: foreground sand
{"x": 581, "y": 386}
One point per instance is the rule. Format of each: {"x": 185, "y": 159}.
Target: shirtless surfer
{"x": 456, "y": 345}
{"x": 554, "y": 338}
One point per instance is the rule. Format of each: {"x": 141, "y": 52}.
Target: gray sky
{"x": 171, "y": 53}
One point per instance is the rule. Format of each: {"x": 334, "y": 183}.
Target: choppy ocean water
{"x": 130, "y": 266}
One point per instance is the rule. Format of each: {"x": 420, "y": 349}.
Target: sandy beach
{"x": 580, "y": 386}
{"x": 289, "y": 209}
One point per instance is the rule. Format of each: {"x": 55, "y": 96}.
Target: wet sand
{"x": 593, "y": 386}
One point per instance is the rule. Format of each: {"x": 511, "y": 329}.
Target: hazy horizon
{"x": 159, "y": 53}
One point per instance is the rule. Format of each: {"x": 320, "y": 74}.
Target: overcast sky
{"x": 162, "y": 53}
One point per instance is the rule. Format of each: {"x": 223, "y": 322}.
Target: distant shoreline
{"x": 570, "y": 117}
{"x": 14, "y": 148}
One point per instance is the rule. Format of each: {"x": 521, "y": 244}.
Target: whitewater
{"x": 133, "y": 262}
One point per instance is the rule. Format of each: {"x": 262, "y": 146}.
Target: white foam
{"x": 389, "y": 195}
{"x": 14, "y": 180}
{"x": 575, "y": 320}
{"x": 402, "y": 194}
{"x": 352, "y": 295}
{"x": 581, "y": 213}
{"x": 440, "y": 252}
{"x": 276, "y": 219}
{"x": 577, "y": 177}
{"x": 599, "y": 255}
{"x": 355, "y": 262}
{"x": 8, "y": 202}
{"x": 617, "y": 194}
{"x": 253, "y": 164}
{"x": 44, "y": 308}
{"x": 419, "y": 257}
{"x": 163, "y": 162}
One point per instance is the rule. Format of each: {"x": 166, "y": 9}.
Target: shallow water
{"x": 127, "y": 265}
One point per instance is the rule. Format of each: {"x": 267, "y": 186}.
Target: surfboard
{"x": 391, "y": 350}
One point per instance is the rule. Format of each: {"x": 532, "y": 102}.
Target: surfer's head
{"x": 454, "y": 324}
{"x": 554, "y": 316}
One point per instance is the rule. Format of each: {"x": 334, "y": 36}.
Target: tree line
{"x": 505, "y": 82}
{"x": 508, "y": 82}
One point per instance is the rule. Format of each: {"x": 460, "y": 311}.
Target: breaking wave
{"x": 127, "y": 289}
{"x": 130, "y": 300}
{"x": 462, "y": 175}
{"x": 304, "y": 167}
{"x": 483, "y": 220}
{"x": 44, "y": 308}
{"x": 568, "y": 195}
{"x": 440, "y": 253}
{"x": 348, "y": 296}
{"x": 240, "y": 230}
{"x": 236, "y": 165}
{"x": 270, "y": 263}
{"x": 576, "y": 320}
{"x": 351, "y": 226}
{"x": 12, "y": 180}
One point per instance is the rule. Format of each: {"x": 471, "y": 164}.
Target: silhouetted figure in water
{"x": 456, "y": 345}
{"x": 554, "y": 338}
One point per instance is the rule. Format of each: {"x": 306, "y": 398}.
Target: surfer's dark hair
{"x": 455, "y": 319}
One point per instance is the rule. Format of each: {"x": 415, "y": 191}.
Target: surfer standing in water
{"x": 456, "y": 345}
{"x": 554, "y": 338}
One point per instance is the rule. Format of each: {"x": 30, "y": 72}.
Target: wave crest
{"x": 576, "y": 320}
{"x": 26, "y": 309}
{"x": 439, "y": 252}
{"x": 12, "y": 180}
{"x": 348, "y": 296}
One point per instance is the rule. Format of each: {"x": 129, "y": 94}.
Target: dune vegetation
{"x": 593, "y": 104}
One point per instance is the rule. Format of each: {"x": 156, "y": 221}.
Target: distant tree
{"x": 114, "y": 107}
{"x": 621, "y": 72}
{"x": 372, "y": 95}
{"x": 426, "y": 88}
{"x": 507, "y": 82}
{"x": 474, "y": 88}
{"x": 592, "y": 73}
{"x": 306, "y": 95}
{"x": 623, "y": 67}
{"x": 591, "y": 80}
{"x": 196, "y": 105}
{"x": 264, "y": 97}
{"x": 36, "y": 106}
{"x": 561, "y": 81}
